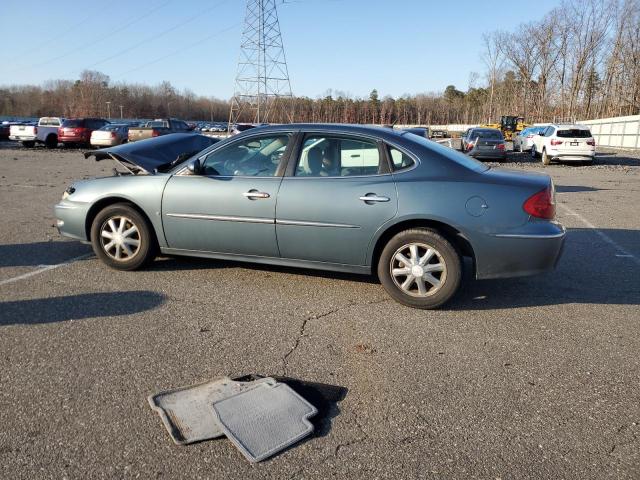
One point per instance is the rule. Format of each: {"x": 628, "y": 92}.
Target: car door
{"x": 229, "y": 206}
{"x": 337, "y": 193}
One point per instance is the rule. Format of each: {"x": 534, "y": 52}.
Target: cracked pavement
{"x": 523, "y": 378}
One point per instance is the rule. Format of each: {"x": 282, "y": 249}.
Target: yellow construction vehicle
{"x": 509, "y": 126}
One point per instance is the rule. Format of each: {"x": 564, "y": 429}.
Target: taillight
{"x": 113, "y": 134}
{"x": 541, "y": 204}
{"x": 35, "y": 130}
{"x": 500, "y": 146}
{"x": 155, "y": 133}
{"x": 470, "y": 145}
{"x": 591, "y": 142}
{"x": 555, "y": 142}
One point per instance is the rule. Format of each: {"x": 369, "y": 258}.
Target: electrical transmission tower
{"x": 262, "y": 81}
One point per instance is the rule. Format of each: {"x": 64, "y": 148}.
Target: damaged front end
{"x": 148, "y": 157}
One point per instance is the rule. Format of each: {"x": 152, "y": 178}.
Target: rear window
{"x": 492, "y": 134}
{"x": 74, "y": 123}
{"x": 156, "y": 124}
{"x": 574, "y": 133}
{"x": 49, "y": 122}
{"x": 450, "y": 153}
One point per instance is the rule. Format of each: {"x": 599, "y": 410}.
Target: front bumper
{"x": 71, "y": 218}
{"x": 534, "y": 250}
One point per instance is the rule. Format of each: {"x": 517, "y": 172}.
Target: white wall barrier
{"x": 617, "y": 132}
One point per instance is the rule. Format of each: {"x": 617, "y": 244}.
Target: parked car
{"x": 46, "y": 131}
{"x": 564, "y": 143}
{"x": 485, "y": 143}
{"x": 241, "y": 127}
{"x": 439, "y": 134}
{"x": 157, "y": 128}
{"x": 523, "y": 141}
{"x": 420, "y": 131}
{"x": 5, "y": 130}
{"x": 332, "y": 197}
{"x": 77, "y": 131}
{"x": 110, "y": 135}
{"x": 465, "y": 139}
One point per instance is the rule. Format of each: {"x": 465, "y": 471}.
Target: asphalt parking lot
{"x": 523, "y": 378}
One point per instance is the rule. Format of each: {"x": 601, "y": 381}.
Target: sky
{"x": 352, "y": 46}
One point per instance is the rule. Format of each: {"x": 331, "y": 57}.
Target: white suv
{"x": 564, "y": 142}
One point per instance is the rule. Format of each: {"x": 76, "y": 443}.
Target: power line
{"x": 180, "y": 50}
{"x": 144, "y": 42}
{"x": 90, "y": 44}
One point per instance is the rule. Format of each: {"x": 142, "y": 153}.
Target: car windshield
{"x": 574, "y": 133}
{"x": 449, "y": 153}
{"x": 73, "y": 123}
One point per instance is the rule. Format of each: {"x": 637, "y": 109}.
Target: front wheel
{"x": 419, "y": 268}
{"x": 122, "y": 238}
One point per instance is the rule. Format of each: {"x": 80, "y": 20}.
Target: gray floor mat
{"x": 264, "y": 419}
{"x": 186, "y": 412}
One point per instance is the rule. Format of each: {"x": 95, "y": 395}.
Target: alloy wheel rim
{"x": 418, "y": 269}
{"x": 120, "y": 238}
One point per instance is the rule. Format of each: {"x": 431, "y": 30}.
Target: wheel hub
{"x": 417, "y": 271}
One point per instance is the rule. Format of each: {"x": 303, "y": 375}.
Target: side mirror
{"x": 194, "y": 167}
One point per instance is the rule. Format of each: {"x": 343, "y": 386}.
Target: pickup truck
{"x": 157, "y": 128}
{"x": 45, "y": 132}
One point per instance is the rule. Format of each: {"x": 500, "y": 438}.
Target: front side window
{"x": 326, "y": 156}
{"x": 251, "y": 157}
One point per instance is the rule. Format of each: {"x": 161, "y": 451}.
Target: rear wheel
{"x": 546, "y": 159}
{"x": 122, "y": 238}
{"x": 419, "y": 268}
{"x": 51, "y": 141}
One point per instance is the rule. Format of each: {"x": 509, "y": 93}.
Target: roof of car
{"x": 574, "y": 126}
{"x": 331, "y": 127}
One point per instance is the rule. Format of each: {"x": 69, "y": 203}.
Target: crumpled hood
{"x": 156, "y": 152}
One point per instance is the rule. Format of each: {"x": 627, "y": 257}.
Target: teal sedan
{"x": 345, "y": 198}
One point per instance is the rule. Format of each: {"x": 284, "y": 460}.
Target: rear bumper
{"x": 23, "y": 138}
{"x": 489, "y": 155}
{"x": 109, "y": 142}
{"x": 73, "y": 139}
{"x": 519, "y": 254}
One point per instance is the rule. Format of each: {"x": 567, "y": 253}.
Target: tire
{"x": 431, "y": 295}
{"x": 51, "y": 141}
{"x": 29, "y": 144}
{"x": 546, "y": 159}
{"x": 121, "y": 218}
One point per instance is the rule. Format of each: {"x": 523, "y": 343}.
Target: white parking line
{"x": 622, "y": 253}
{"x": 43, "y": 269}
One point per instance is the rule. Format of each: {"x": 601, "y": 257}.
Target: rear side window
{"x": 574, "y": 133}
{"x": 325, "y": 156}
{"x": 74, "y": 123}
{"x": 400, "y": 159}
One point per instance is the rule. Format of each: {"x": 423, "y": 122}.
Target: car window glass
{"x": 400, "y": 159}
{"x": 574, "y": 133}
{"x": 323, "y": 156}
{"x": 254, "y": 157}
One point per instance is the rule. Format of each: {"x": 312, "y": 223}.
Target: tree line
{"x": 580, "y": 60}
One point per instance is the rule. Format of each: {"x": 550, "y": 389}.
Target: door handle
{"x": 372, "y": 197}
{"x": 254, "y": 195}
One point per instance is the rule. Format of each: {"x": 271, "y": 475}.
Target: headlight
{"x": 69, "y": 191}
